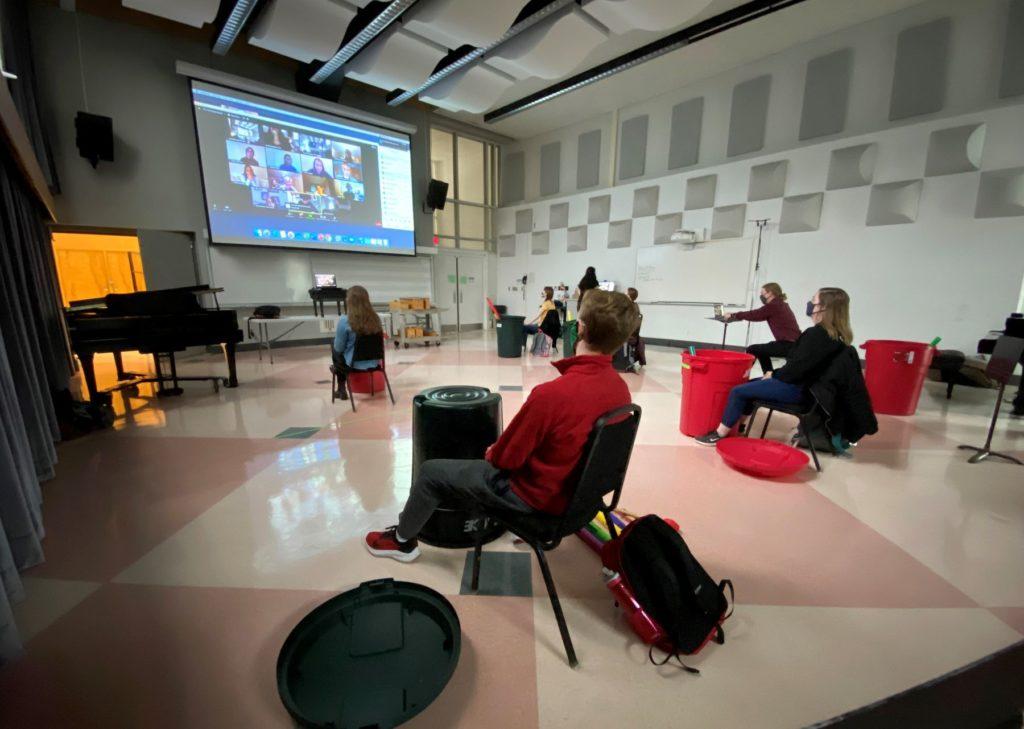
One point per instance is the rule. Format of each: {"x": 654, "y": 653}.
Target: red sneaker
{"x": 386, "y": 544}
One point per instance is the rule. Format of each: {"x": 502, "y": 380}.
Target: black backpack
{"x": 671, "y": 586}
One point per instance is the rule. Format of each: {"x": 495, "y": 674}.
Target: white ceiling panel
{"x": 196, "y": 13}
{"x": 395, "y": 60}
{"x": 306, "y": 30}
{"x": 622, "y": 16}
{"x": 453, "y": 23}
{"x": 549, "y": 49}
{"x": 473, "y": 89}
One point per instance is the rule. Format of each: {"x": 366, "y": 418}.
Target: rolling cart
{"x": 426, "y": 319}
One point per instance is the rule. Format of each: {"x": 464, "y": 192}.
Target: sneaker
{"x": 386, "y": 544}
{"x": 709, "y": 439}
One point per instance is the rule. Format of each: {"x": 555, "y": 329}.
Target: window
{"x": 470, "y": 167}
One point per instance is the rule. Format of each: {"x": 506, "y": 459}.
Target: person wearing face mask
{"x": 781, "y": 321}
{"x": 547, "y": 304}
{"x": 810, "y": 354}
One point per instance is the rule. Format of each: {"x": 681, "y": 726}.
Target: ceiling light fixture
{"x": 234, "y": 22}
{"x": 674, "y": 41}
{"x": 372, "y": 29}
{"x": 399, "y": 96}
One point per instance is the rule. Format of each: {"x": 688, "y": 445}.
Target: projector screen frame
{"x": 292, "y": 99}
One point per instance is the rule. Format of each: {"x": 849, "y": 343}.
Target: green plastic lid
{"x": 372, "y": 657}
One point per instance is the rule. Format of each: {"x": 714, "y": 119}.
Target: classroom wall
{"x": 939, "y": 256}
{"x": 154, "y": 181}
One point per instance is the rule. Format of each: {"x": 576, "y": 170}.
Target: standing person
{"x": 360, "y": 320}
{"x": 781, "y": 321}
{"x": 588, "y": 282}
{"x": 808, "y": 358}
{"x": 547, "y": 304}
{"x": 639, "y": 350}
{"x": 530, "y": 467}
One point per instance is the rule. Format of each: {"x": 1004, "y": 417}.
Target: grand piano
{"x": 159, "y": 323}
{"x": 1014, "y": 327}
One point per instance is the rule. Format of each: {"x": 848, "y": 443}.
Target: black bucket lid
{"x": 457, "y": 396}
{"x": 372, "y": 657}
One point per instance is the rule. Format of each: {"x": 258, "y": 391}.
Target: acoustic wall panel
{"x": 801, "y": 213}
{"x": 599, "y": 209}
{"x": 506, "y": 246}
{"x": 920, "y": 75}
{"x": 1001, "y": 194}
{"x": 826, "y": 94}
{"x": 633, "y": 147}
{"x": 748, "y": 115}
{"x": 700, "y": 192}
{"x": 524, "y": 221}
{"x": 851, "y": 166}
{"x": 1011, "y": 81}
{"x": 550, "y": 168}
{"x": 768, "y": 181}
{"x": 684, "y": 135}
{"x": 665, "y": 226}
{"x": 894, "y": 203}
{"x": 558, "y": 216}
{"x": 620, "y": 233}
{"x": 645, "y": 201}
{"x": 513, "y": 178}
{"x": 954, "y": 150}
{"x": 728, "y": 221}
{"x": 576, "y": 239}
{"x": 540, "y": 243}
{"x": 588, "y": 159}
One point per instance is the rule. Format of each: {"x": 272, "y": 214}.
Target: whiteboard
{"x": 715, "y": 272}
{"x": 254, "y": 276}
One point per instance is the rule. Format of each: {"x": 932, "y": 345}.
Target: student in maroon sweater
{"x": 780, "y": 320}
{"x": 528, "y": 468}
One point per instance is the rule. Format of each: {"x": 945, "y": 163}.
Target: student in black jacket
{"x": 810, "y": 356}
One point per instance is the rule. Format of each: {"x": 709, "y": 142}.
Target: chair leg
{"x": 810, "y": 443}
{"x": 334, "y": 385}
{"x": 478, "y": 552}
{"x": 387, "y": 383}
{"x": 750, "y": 423}
{"x": 351, "y": 394}
{"x": 570, "y": 652}
{"x": 767, "y": 420}
{"x": 949, "y": 390}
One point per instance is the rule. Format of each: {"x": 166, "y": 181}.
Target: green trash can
{"x": 569, "y": 330}
{"x": 510, "y": 335}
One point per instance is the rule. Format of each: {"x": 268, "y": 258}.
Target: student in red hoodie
{"x": 527, "y": 469}
{"x": 780, "y": 320}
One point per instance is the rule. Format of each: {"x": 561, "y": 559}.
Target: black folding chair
{"x": 601, "y": 472}
{"x": 802, "y": 411}
{"x": 367, "y": 348}
{"x": 1007, "y": 353}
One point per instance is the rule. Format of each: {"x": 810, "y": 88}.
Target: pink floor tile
{"x": 205, "y": 657}
{"x": 782, "y": 543}
{"x": 115, "y": 498}
{"x": 1012, "y": 616}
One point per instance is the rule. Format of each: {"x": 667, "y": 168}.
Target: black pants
{"x": 765, "y": 352}
{"x": 456, "y": 483}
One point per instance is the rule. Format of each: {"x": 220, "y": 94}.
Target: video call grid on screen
{"x": 279, "y": 175}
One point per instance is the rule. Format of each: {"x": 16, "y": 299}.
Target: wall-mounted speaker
{"x": 437, "y": 193}
{"x": 94, "y": 137}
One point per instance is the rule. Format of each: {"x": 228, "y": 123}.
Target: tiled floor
{"x": 185, "y": 543}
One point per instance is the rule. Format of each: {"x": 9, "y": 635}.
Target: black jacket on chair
{"x": 842, "y": 394}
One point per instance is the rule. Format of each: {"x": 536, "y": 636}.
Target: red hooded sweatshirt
{"x": 544, "y": 441}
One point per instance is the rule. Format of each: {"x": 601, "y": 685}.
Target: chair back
{"x": 1007, "y": 353}
{"x": 602, "y": 467}
{"x": 368, "y": 347}
{"x": 552, "y": 324}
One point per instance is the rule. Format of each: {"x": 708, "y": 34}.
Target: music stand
{"x": 1007, "y": 353}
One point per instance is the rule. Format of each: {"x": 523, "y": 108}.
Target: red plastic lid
{"x": 762, "y": 458}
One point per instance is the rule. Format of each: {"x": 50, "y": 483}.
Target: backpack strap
{"x": 668, "y": 657}
{"x": 732, "y": 597}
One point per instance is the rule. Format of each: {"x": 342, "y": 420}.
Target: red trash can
{"x": 707, "y": 378}
{"x": 366, "y": 382}
{"x": 894, "y": 372}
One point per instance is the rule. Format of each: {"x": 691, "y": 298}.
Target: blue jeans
{"x": 770, "y": 389}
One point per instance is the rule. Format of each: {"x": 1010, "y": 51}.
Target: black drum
{"x": 457, "y": 421}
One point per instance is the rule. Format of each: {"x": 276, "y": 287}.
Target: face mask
{"x": 810, "y": 308}
{"x": 764, "y": 299}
